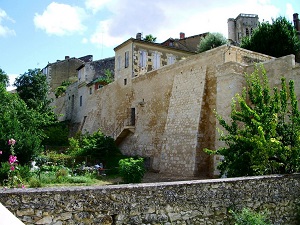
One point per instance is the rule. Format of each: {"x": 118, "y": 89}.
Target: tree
{"x": 263, "y": 136}
{"x": 276, "y": 39}
{"x": 4, "y": 79}
{"x": 32, "y": 87}
{"x": 210, "y": 41}
{"x": 24, "y": 125}
{"x": 150, "y": 38}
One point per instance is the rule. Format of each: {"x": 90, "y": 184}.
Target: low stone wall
{"x": 186, "y": 202}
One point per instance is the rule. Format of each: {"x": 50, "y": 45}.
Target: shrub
{"x": 24, "y": 172}
{"x": 4, "y": 169}
{"x": 34, "y": 182}
{"x": 132, "y": 170}
{"x": 249, "y": 217}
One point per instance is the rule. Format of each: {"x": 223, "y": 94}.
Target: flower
{"x": 12, "y": 159}
{"x": 12, "y": 168}
{"x": 0, "y": 152}
{"x": 11, "y": 141}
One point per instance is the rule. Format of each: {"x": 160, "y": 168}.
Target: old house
{"x": 161, "y": 104}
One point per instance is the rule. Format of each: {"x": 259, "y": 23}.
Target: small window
{"x": 156, "y": 60}
{"x": 80, "y": 100}
{"x": 143, "y": 59}
{"x": 171, "y": 59}
{"x": 125, "y": 81}
{"x": 126, "y": 59}
{"x": 100, "y": 86}
{"x": 119, "y": 63}
{"x": 91, "y": 90}
{"x": 247, "y": 32}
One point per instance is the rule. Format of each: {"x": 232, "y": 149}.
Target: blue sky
{"x": 35, "y": 32}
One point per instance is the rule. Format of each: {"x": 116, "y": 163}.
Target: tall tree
{"x": 4, "y": 79}
{"x": 210, "y": 41}
{"x": 276, "y": 39}
{"x": 32, "y": 87}
{"x": 263, "y": 136}
{"x": 24, "y": 125}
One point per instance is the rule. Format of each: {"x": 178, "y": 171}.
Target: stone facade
{"x": 167, "y": 114}
{"x": 185, "y": 202}
{"x": 242, "y": 26}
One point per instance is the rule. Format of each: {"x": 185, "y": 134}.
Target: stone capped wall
{"x": 185, "y": 202}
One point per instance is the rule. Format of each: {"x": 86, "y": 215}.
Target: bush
{"x": 132, "y": 170}
{"x": 4, "y": 169}
{"x": 24, "y": 172}
{"x": 34, "y": 182}
{"x": 249, "y": 217}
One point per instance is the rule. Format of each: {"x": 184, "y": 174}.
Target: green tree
{"x": 4, "y": 79}
{"x": 33, "y": 88}
{"x": 150, "y": 38}
{"x": 210, "y": 41}
{"x": 263, "y": 135}
{"x": 276, "y": 39}
{"x": 24, "y": 125}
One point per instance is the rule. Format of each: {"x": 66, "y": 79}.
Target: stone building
{"x": 242, "y": 26}
{"x": 162, "y": 101}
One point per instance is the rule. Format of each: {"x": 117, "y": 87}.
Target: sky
{"x": 34, "y": 33}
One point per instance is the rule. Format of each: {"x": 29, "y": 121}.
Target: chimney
{"x": 139, "y": 36}
{"x": 67, "y": 57}
{"x": 182, "y": 35}
{"x": 296, "y": 21}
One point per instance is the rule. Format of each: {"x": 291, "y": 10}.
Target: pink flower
{"x": 12, "y": 159}
{"x": 12, "y": 168}
{"x": 0, "y": 152}
{"x": 11, "y": 141}
{"x": 23, "y": 186}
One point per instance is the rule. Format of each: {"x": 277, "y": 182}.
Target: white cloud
{"x": 61, "y": 19}
{"x": 102, "y": 37}
{"x": 5, "y": 31}
{"x": 12, "y": 78}
{"x": 95, "y": 5}
{"x": 289, "y": 12}
{"x": 168, "y": 18}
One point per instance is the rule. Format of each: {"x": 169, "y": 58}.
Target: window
{"x": 91, "y": 90}
{"x": 80, "y": 100}
{"x": 119, "y": 63}
{"x": 100, "y": 86}
{"x": 156, "y": 60}
{"x": 80, "y": 74}
{"x": 126, "y": 59}
{"x": 171, "y": 59}
{"x": 247, "y": 32}
{"x": 143, "y": 58}
{"x": 125, "y": 81}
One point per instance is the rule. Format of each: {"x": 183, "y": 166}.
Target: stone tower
{"x": 243, "y": 25}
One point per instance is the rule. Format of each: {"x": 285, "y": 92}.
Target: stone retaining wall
{"x": 185, "y": 202}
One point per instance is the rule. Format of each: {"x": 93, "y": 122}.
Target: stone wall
{"x": 185, "y": 202}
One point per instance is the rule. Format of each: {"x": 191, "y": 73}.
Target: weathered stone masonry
{"x": 186, "y": 202}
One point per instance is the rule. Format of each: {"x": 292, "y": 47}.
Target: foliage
{"x": 32, "y": 87}
{"x": 276, "y": 39}
{"x": 107, "y": 79}
{"x": 150, "y": 38}
{"x": 22, "y": 123}
{"x": 4, "y": 169}
{"x": 263, "y": 136}
{"x": 132, "y": 170}
{"x": 34, "y": 182}
{"x": 249, "y": 217}
{"x": 97, "y": 146}
{"x": 62, "y": 88}
{"x": 210, "y": 41}
{"x": 13, "y": 175}
{"x": 4, "y": 79}
{"x": 56, "y": 134}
